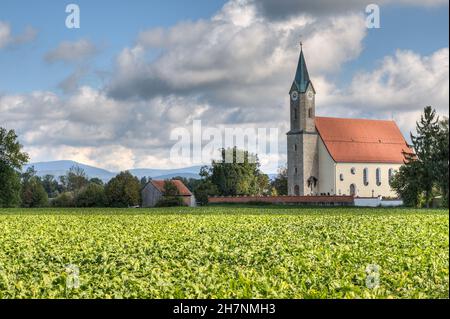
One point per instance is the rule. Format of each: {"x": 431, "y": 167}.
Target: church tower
{"x": 302, "y": 139}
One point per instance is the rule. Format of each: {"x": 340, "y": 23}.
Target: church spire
{"x": 302, "y": 77}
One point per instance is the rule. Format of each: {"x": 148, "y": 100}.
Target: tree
{"x": 171, "y": 196}
{"x": 204, "y": 190}
{"x": 50, "y": 185}
{"x": 11, "y": 161}
{"x": 424, "y": 144}
{"x": 92, "y": 195}
{"x": 65, "y": 199}
{"x": 76, "y": 179}
{"x": 123, "y": 190}
{"x": 97, "y": 181}
{"x": 280, "y": 183}
{"x": 237, "y": 173}
{"x": 425, "y": 173}
{"x": 442, "y": 161}
{"x": 407, "y": 185}
{"x": 33, "y": 193}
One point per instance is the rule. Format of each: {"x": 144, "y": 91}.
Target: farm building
{"x": 336, "y": 156}
{"x": 154, "y": 191}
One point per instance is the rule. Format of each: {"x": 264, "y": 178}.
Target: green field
{"x": 224, "y": 252}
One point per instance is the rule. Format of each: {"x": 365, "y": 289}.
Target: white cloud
{"x": 7, "y": 39}
{"x": 72, "y": 52}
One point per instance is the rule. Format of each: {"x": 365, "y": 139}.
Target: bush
{"x": 64, "y": 200}
{"x": 33, "y": 194}
{"x": 92, "y": 195}
{"x": 170, "y": 201}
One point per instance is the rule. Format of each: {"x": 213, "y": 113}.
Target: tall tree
{"x": 123, "y": 190}
{"x": 12, "y": 158}
{"x": 33, "y": 193}
{"x": 442, "y": 161}
{"x": 425, "y": 147}
{"x": 76, "y": 179}
{"x": 238, "y": 173}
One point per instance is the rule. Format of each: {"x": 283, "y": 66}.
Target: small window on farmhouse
{"x": 341, "y": 177}
{"x": 378, "y": 176}
{"x": 366, "y": 176}
{"x": 353, "y": 170}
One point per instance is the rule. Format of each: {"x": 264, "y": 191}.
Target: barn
{"x": 153, "y": 191}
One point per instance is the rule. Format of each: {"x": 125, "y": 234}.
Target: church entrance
{"x": 297, "y": 190}
{"x": 353, "y": 190}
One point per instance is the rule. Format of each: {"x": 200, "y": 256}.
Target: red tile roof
{"x": 362, "y": 141}
{"x": 182, "y": 189}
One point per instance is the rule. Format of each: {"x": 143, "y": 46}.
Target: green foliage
{"x": 425, "y": 175}
{"x": 237, "y": 173}
{"x": 76, "y": 179}
{"x": 50, "y": 185}
{"x": 171, "y": 201}
{"x": 32, "y": 192}
{"x": 280, "y": 183}
{"x": 224, "y": 253}
{"x": 9, "y": 187}
{"x": 171, "y": 196}
{"x": 97, "y": 181}
{"x": 66, "y": 199}
{"x": 11, "y": 154}
{"x": 123, "y": 191}
{"x": 92, "y": 195}
{"x": 11, "y": 161}
{"x": 204, "y": 190}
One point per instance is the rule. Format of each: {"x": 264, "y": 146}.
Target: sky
{"x": 111, "y": 93}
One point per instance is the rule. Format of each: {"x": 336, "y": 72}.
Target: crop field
{"x": 224, "y": 252}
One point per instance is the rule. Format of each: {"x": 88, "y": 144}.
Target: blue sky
{"x": 115, "y": 25}
{"x": 148, "y": 67}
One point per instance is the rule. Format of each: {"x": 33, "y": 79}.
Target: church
{"x": 338, "y": 156}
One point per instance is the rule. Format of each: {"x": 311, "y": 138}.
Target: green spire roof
{"x": 302, "y": 77}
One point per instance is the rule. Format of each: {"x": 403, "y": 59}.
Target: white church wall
{"x": 370, "y": 190}
{"x": 327, "y": 171}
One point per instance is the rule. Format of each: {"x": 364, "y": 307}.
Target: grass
{"x": 225, "y": 252}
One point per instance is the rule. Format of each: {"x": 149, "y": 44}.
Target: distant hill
{"x": 59, "y": 168}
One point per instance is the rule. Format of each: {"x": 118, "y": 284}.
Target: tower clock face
{"x": 310, "y": 95}
{"x": 294, "y": 96}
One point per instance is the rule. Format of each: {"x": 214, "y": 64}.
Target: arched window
{"x": 391, "y": 175}
{"x": 310, "y": 113}
{"x": 296, "y": 171}
{"x": 378, "y": 176}
{"x": 295, "y": 114}
{"x": 341, "y": 177}
{"x": 353, "y": 190}
{"x": 366, "y": 176}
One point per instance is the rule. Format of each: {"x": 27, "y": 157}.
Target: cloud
{"x": 282, "y": 9}
{"x": 7, "y": 39}
{"x": 232, "y": 70}
{"x": 72, "y": 52}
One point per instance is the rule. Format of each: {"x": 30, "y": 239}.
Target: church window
{"x": 391, "y": 175}
{"x": 341, "y": 177}
{"x": 353, "y": 170}
{"x": 295, "y": 147}
{"x": 378, "y": 176}
{"x": 310, "y": 113}
{"x": 296, "y": 170}
{"x": 366, "y": 176}
{"x": 295, "y": 114}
